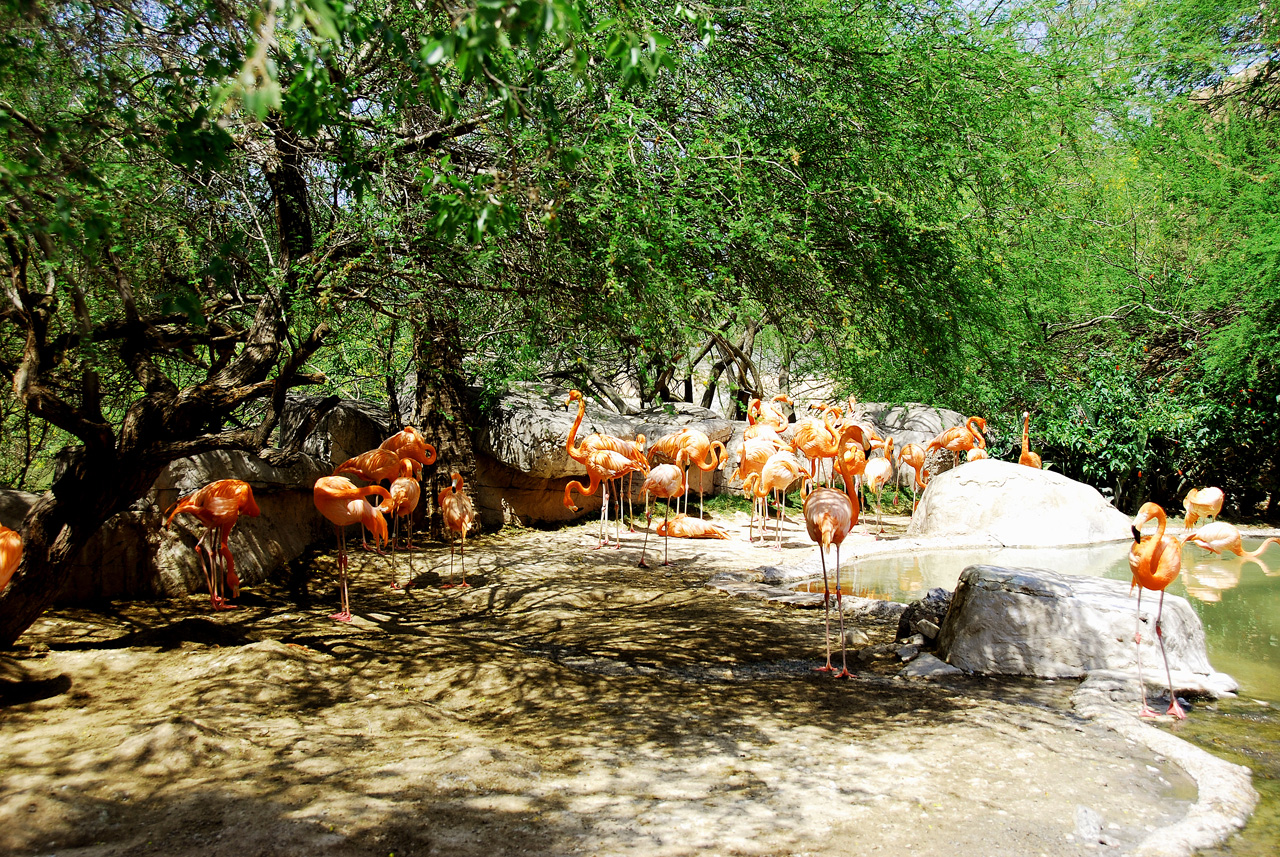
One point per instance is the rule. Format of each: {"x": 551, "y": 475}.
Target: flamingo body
{"x": 1202, "y": 503}
{"x": 10, "y": 555}
{"x": 459, "y": 513}
{"x": 1221, "y": 536}
{"x": 218, "y": 506}
{"x": 343, "y": 503}
{"x": 1155, "y": 562}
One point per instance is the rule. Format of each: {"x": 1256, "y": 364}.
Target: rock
{"x": 1019, "y": 621}
{"x": 1015, "y": 506}
{"x": 350, "y": 428}
{"x": 927, "y": 666}
{"x": 14, "y": 505}
{"x": 931, "y": 609}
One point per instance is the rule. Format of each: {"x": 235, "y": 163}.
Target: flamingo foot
{"x": 642, "y": 564}
{"x": 844, "y": 674}
{"x": 398, "y": 588}
{"x": 827, "y": 669}
{"x": 667, "y": 564}
{"x": 344, "y": 616}
{"x": 1176, "y": 710}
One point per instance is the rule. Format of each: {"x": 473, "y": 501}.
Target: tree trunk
{"x": 444, "y": 413}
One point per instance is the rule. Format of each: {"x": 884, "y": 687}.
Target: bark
{"x": 444, "y": 414}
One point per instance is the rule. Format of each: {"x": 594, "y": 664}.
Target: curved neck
{"x": 577, "y": 453}
{"x": 1026, "y": 440}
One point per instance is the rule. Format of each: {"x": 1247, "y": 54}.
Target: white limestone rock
{"x": 1020, "y": 621}
{"x": 1015, "y": 506}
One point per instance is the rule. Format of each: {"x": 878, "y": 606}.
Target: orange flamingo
{"x": 10, "y": 555}
{"x": 665, "y": 481}
{"x": 374, "y": 466}
{"x": 633, "y": 449}
{"x": 218, "y": 506}
{"x": 960, "y": 438}
{"x": 458, "y": 512}
{"x": 829, "y": 518}
{"x": 603, "y": 466}
{"x": 771, "y": 414}
{"x": 778, "y": 473}
{"x": 816, "y": 438}
{"x": 405, "y": 495}
{"x": 1155, "y": 562}
{"x": 409, "y": 443}
{"x": 1202, "y": 503}
{"x": 1221, "y": 536}
{"x": 758, "y": 430}
{"x": 877, "y": 473}
{"x": 684, "y": 527}
{"x": 703, "y": 453}
{"x": 755, "y": 452}
{"x": 912, "y": 455}
{"x": 1028, "y": 457}
{"x": 344, "y": 503}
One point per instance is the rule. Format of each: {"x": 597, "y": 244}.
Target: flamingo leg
{"x": 826, "y": 612}
{"x": 666, "y": 536}
{"x": 1174, "y": 708}
{"x": 647, "y": 521}
{"x": 462, "y": 554}
{"x": 844, "y": 663}
{"x": 343, "y": 614}
{"x": 206, "y": 568}
{"x": 1146, "y": 710}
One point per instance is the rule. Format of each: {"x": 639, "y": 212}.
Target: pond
{"x": 1238, "y": 602}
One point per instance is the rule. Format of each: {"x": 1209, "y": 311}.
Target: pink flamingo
{"x": 344, "y": 503}
{"x": 1155, "y": 562}
{"x": 458, "y": 512}
{"x": 665, "y": 481}
{"x": 10, "y": 554}
{"x": 218, "y": 506}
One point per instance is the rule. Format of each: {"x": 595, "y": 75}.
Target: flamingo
{"x": 771, "y": 414}
{"x": 10, "y": 554}
{"x": 603, "y": 466}
{"x": 665, "y": 481}
{"x": 409, "y": 443}
{"x": 218, "y": 506}
{"x": 343, "y": 503}
{"x": 816, "y": 438}
{"x": 758, "y": 430}
{"x": 961, "y": 438}
{"x": 828, "y": 518}
{"x": 755, "y": 452}
{"x": 1155, "y": 562}
{"x": 692, "y": 446}
{"x": 684, "y": 527}
{"x": 633, "y": 449}
{"x": 782, "y": 469}
{"x": 1028, "y": 457}
{"x": 458, "y": 512}
{"x": 1202, "y": 503}
{"x": 1221, "y": 536}
{"x": 877, "y": 473}
{"x": 405, "y": 493}
{"x": 374, "y": 466}
{"x": 912, "y": 455}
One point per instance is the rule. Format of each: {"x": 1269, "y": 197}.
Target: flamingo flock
{"x": 775, "y": 457}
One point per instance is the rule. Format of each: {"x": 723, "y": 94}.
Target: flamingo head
{"x": 574, "y": 396}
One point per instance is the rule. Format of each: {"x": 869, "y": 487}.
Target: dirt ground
{"x": 566, "y": 702}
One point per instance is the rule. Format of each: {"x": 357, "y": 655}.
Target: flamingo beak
{"x": 1137, "y": 536}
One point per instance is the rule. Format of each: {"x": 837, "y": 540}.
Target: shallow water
{"x": 1238, "y": 602}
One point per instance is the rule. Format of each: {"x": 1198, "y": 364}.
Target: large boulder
{"x": 351, "y": 427}
{"x": 1033, "y": 622}
{"x": 1015, "y": 506}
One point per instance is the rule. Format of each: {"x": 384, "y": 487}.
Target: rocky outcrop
{"x": 1020, "y": 621}
{"x": 1015, "y": 506}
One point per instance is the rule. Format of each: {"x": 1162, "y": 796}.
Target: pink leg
{"x": 826, "y": 612}
{"x": 844, "y": 663}
{"x": 344, "y": 614}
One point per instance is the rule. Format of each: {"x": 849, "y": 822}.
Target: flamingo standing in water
{"x": 10, "y": 554}
{"x": 458, "y": 512}
{"x": 1221, "y": 536}
{"x": 1155, "y": 562}
{"x": 1029, "y": 458}
{"x": 344, "y": 503}
{"x": 829, "y": 518}
{"x": 218, "y": 506}
{"x": 665, "y": 481}
{"x": 1202, "y": 503}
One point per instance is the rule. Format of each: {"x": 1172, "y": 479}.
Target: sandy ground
{"x": 567, "y": 702}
